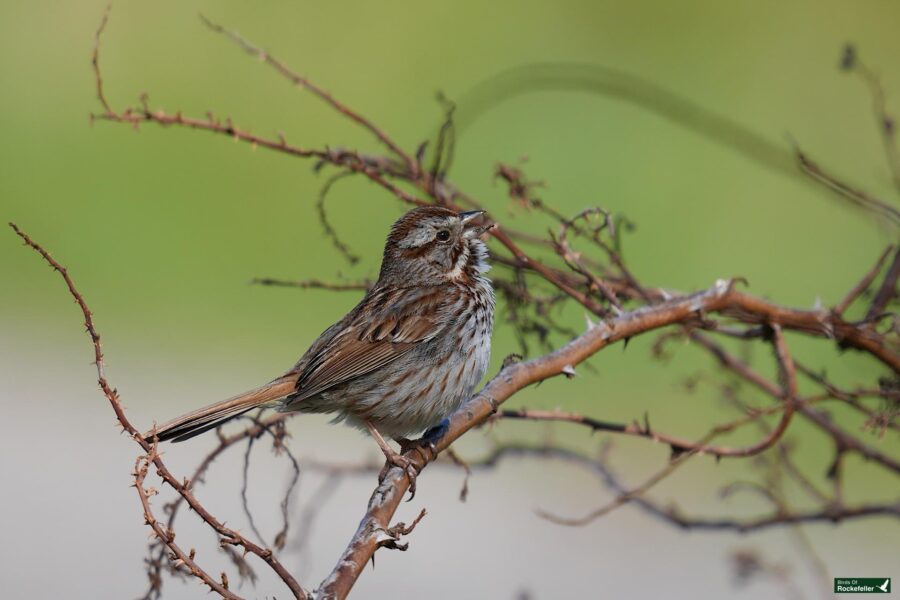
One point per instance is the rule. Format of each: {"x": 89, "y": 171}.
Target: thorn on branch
{"x": 511, "y": 359}
{"x": 394, "y": 533}
{"x": 676, "y": 451}
{"x": 848, "y": 57}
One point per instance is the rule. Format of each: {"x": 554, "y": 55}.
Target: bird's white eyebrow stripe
{"x": 418, "y": 236}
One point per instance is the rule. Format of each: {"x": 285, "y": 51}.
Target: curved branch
{"x": 834, "y": 513}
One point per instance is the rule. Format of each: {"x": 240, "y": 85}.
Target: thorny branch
{"x": 539, "y": 275}
{"x": 227, "y": 535}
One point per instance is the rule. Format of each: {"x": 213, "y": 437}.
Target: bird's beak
{"x": 467, "y": 218}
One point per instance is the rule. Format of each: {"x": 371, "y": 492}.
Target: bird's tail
{"x": 209, "y": 417}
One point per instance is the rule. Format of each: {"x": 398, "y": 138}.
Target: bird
{"x": 401, "y": 361}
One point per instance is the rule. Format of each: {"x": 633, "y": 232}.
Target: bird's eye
{"x": 443, "y": 235}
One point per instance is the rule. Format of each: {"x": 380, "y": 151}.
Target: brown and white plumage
{"x": 409, "y": 354}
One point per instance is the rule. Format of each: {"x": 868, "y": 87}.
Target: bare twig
{"x": 326, "y": 225}
{"x": 165, "y": 534}
{"x": 95, "y": 60}
{"x": 858, "y": 197}
{"x": 863, "y": 284}
{"x": 625, "y": 496}
{"x": 228, "y": 536}
{"x": 886, "y": 123}
{"x": 316, "y": 284}
{"x": 887, "y": 291}
{"x": 303, "y": 82}
{"x": 672, "y": 515}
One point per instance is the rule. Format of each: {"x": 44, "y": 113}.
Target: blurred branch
{"x": 887, "y": 124}
{"x": 629, "y": 88}
{"x": 316, "y": 284}
{"x": 863, "y": 284}
{"x": 858, "y": 197}
{"x": 888, "y": 290}
{"x": 330, "y": 232}
{"x": 670, "y": 514}
{"x": 95, "y": 60}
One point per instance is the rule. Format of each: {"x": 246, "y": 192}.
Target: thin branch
{"x": 330, "y": 232}
{"x": 303, "y": 82}
{"x": 851, "y": 398}
{"x": 863, "y": 284}
{"x": 844, "y": 440}
{"x": 95, "y": 60}
{"x": 165, "y": 534}
{"x": 887, "y": 291}
{"x": 158, "y": 550}
{"x": 316, "y": 503}
{"x": 245, "y": 476}
{"x": 624, "y": 497}
{"x": 316, "y": 284}
{"x": 858, "y": 197}
{"x": 446, "y": 141}
{"x": 672, "y": 515}
{"x": 886, "y": 123}
{"x": 574, "y": 259}
{"x": 786, "y": 366}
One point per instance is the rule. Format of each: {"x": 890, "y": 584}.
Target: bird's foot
{"x": 394, "y": 460}
{"x": 398, "y": 460}
{"x": 423, "y": 447}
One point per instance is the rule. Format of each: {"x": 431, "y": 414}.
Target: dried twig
{"x": 886, "y": 123}
{"x": 305, "y": 83}
{"x": 315, "y": 284}
{"x": 858, "y": 197}
{"x": 864, "y": 283}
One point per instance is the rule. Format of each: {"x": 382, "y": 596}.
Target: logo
{"x": 862, "y": 585}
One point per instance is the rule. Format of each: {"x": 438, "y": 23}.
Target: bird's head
{"x": 430, "y": 245}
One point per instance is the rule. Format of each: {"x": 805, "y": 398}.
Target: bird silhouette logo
{"x": 886, "y": 586}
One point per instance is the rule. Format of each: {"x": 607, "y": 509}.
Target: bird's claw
{"x": 425, "y": 447}
{"x": 408, "y": 466}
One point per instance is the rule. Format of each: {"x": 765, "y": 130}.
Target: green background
{"x": 164, "y": 228}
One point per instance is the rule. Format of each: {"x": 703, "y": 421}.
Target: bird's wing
{"x": 383, "y": 327}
